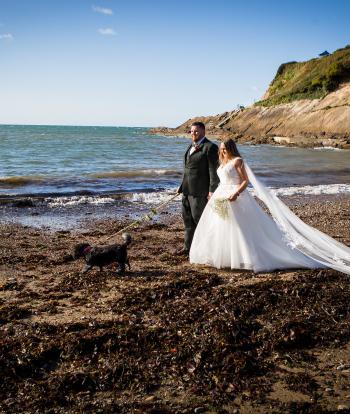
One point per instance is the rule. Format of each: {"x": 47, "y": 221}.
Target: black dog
{"x": 104, "y": 255}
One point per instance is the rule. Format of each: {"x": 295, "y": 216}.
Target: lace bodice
{"x": 228, "y": 174}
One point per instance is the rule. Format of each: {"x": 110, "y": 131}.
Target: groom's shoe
{"x": 182, "y": 252}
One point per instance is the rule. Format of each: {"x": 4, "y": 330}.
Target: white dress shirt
{"x": 193, "y": 148}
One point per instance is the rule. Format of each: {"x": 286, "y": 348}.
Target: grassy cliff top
{"x": 308, "y": 80}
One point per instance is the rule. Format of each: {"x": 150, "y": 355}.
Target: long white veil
{"x": 299, "y": 235}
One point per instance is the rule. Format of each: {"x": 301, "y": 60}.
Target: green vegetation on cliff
{"x": 308, "y": 80}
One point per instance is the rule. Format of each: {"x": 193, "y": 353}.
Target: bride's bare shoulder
{"x": 237, "y": 162}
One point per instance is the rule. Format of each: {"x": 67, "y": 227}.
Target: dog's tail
{"x": 127, "y": 238}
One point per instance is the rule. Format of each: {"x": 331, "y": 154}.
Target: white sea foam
{"x": 331, "y": 189}
{"x": 327, "y": 149}
{"x": 76, "y": 200}
{"x": 153, "y": 198}
{"x": 313, "y": 190}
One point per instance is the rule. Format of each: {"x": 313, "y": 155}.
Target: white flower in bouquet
{"x": 221, "y": 206}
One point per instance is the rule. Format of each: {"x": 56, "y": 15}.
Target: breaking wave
{"x": 76, "y": 200}
{"x": 313, "y": 190}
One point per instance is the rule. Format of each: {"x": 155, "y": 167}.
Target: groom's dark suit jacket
{"x": 200, "y": 176}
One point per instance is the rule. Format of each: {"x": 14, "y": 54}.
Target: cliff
{"x": 307, "y": 104}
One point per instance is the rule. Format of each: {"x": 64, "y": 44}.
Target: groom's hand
{"x": 209, "y": 196}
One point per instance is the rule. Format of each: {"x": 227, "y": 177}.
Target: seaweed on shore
{"x": 192, "y": 335}
{"x": 168, "y": 337}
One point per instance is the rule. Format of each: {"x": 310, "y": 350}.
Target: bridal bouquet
{"x": 221, "y": 206}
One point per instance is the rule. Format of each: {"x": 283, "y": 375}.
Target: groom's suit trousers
{"x": 192, "y": 209}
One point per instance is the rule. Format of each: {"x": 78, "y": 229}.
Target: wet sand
{"x": 168, "y": 337}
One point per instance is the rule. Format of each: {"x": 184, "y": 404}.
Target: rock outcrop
{"x": 307, "y": 122}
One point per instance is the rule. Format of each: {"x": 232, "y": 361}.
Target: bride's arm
{"x": 239, "y": 165}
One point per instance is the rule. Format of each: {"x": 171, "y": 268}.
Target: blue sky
{"x": 150, "y": 63}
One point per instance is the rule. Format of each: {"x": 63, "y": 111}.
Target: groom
{"x": 199, "y": 180}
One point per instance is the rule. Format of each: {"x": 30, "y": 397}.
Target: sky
{"x": 152, "y": 62}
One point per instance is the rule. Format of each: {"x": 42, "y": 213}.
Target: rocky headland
{"x": 307, "y": 104}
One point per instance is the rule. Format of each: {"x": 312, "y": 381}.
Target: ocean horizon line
{"x": 79, "y": 125}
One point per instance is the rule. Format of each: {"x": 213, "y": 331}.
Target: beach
{"x": 170, "y": 337}
{"x": 118, "y": 122}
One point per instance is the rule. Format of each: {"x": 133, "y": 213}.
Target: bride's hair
{"x": 231, "y": 148}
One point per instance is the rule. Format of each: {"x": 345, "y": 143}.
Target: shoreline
{"x": 73, "y": 215}
{"x": 168, "y": 336}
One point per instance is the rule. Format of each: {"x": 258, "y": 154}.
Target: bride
{"x": 235, "y": 232}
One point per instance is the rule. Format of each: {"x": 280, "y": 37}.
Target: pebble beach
{"x": 170, "y": 337}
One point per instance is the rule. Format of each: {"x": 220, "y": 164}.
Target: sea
{"x": 58, "y": 176}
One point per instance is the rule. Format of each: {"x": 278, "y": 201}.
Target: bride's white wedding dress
{"x": 240, "y": 235}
